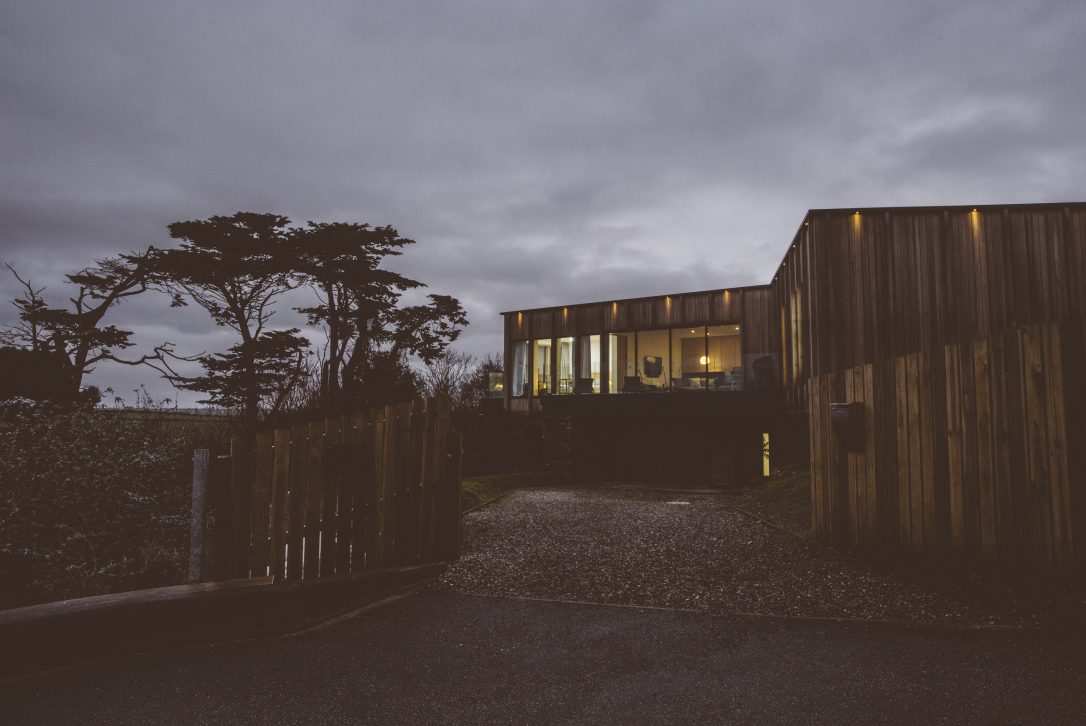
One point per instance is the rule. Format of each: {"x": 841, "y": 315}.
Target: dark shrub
{"x": 93, "y": 501}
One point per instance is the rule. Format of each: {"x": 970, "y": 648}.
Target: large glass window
{"x": 520, "y": 369}
{"x": 565, "y": 366}
{"x": 588, "y": 368}
{"x": 652, "y": 360}
{"x": 689, "y": 359}
{"x": 725, "y": 358}
{"x": 622, "y": 368}
{"x": 541, "y": 367}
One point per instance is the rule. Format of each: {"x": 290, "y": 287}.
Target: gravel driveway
{"x": 674, "y": 550}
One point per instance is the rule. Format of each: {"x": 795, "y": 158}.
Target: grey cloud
{"x": 540, "y": 153}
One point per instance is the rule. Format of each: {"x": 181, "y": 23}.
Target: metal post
{"x": 201, "y": 459}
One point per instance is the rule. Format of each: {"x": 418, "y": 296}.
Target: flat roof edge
{"x": 806, "y": 216}
{"x": 635, "y": 299}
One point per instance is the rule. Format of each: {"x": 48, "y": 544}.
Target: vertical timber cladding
{"x": 374, "y": 489}
{"x": 961, "y": 331}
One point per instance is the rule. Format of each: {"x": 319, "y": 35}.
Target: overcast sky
{"x": 539, "y": 152}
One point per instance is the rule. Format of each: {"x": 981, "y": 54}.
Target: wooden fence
{"x": 376, "y": 489}
{"x": 977, "y": 449}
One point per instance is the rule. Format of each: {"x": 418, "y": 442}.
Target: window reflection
{"x": 541, "y": 367}
{"x": 623, "y": 368}
{"x": 520, "y": 369}
{"x": 565, "y": 366}
{"x": 588, "y": 369}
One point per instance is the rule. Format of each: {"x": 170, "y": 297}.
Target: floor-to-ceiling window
{"x": 588, "y": 369}
{"x": 689, "y": 359}
{"x": 519, "y": 376}
{"x": 725, "y": 358}
{"x": 541, "y": 367}
{"x": 622, "y": 348}
{"x": 692, "y": 358}
{"x": 565, "y": 366}
{"x": 653, "y": 356}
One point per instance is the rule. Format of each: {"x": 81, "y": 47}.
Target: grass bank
{"x": 785, "y": 501}
{"x": 479, "y": 490}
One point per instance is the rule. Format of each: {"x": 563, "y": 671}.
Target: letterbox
{"x": 847, "y": 420}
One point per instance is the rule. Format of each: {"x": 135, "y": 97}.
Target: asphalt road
{"x": 441, "y": 655}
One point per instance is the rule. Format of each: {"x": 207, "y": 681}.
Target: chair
{"x": 583, "y": 385}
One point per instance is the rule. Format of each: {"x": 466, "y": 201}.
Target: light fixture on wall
{"x": 704, "y": 360}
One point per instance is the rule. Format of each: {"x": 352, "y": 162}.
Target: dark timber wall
{"x": 960, "y": 330}
{"x": 972, "y": 450}
{"x": 857, "y": 286}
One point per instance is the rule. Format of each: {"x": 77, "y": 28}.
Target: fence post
{"x": 453, "y": 485}
{"x": 200, "y": 464}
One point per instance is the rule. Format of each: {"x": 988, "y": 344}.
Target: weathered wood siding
{"x": 960, "y": 331}
{"x": 973, "y": 449}
{"x": 861, "y": 286}
{"x": 377, "y": 489}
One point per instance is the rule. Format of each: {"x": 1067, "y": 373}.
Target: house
{"x": 957, "y": 334}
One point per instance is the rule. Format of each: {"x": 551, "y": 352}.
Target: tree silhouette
{"x": 236, "y": 267}
{"x": 77, "y": 336}
{"x": 369, "y": 334}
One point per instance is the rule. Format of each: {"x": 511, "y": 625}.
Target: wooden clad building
{"x": 745, "y": 310}
{"x": 958, "y": 330}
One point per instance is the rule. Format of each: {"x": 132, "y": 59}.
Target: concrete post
{"x": 201, "y": 459}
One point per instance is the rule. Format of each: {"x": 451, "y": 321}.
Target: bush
{"x": 93, "y": 501}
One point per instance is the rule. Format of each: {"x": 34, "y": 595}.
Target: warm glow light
{"x": 765, "y": 454}
{"x": 704, "y": 360}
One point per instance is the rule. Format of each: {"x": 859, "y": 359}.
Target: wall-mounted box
{"x": 847, "y": 420}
